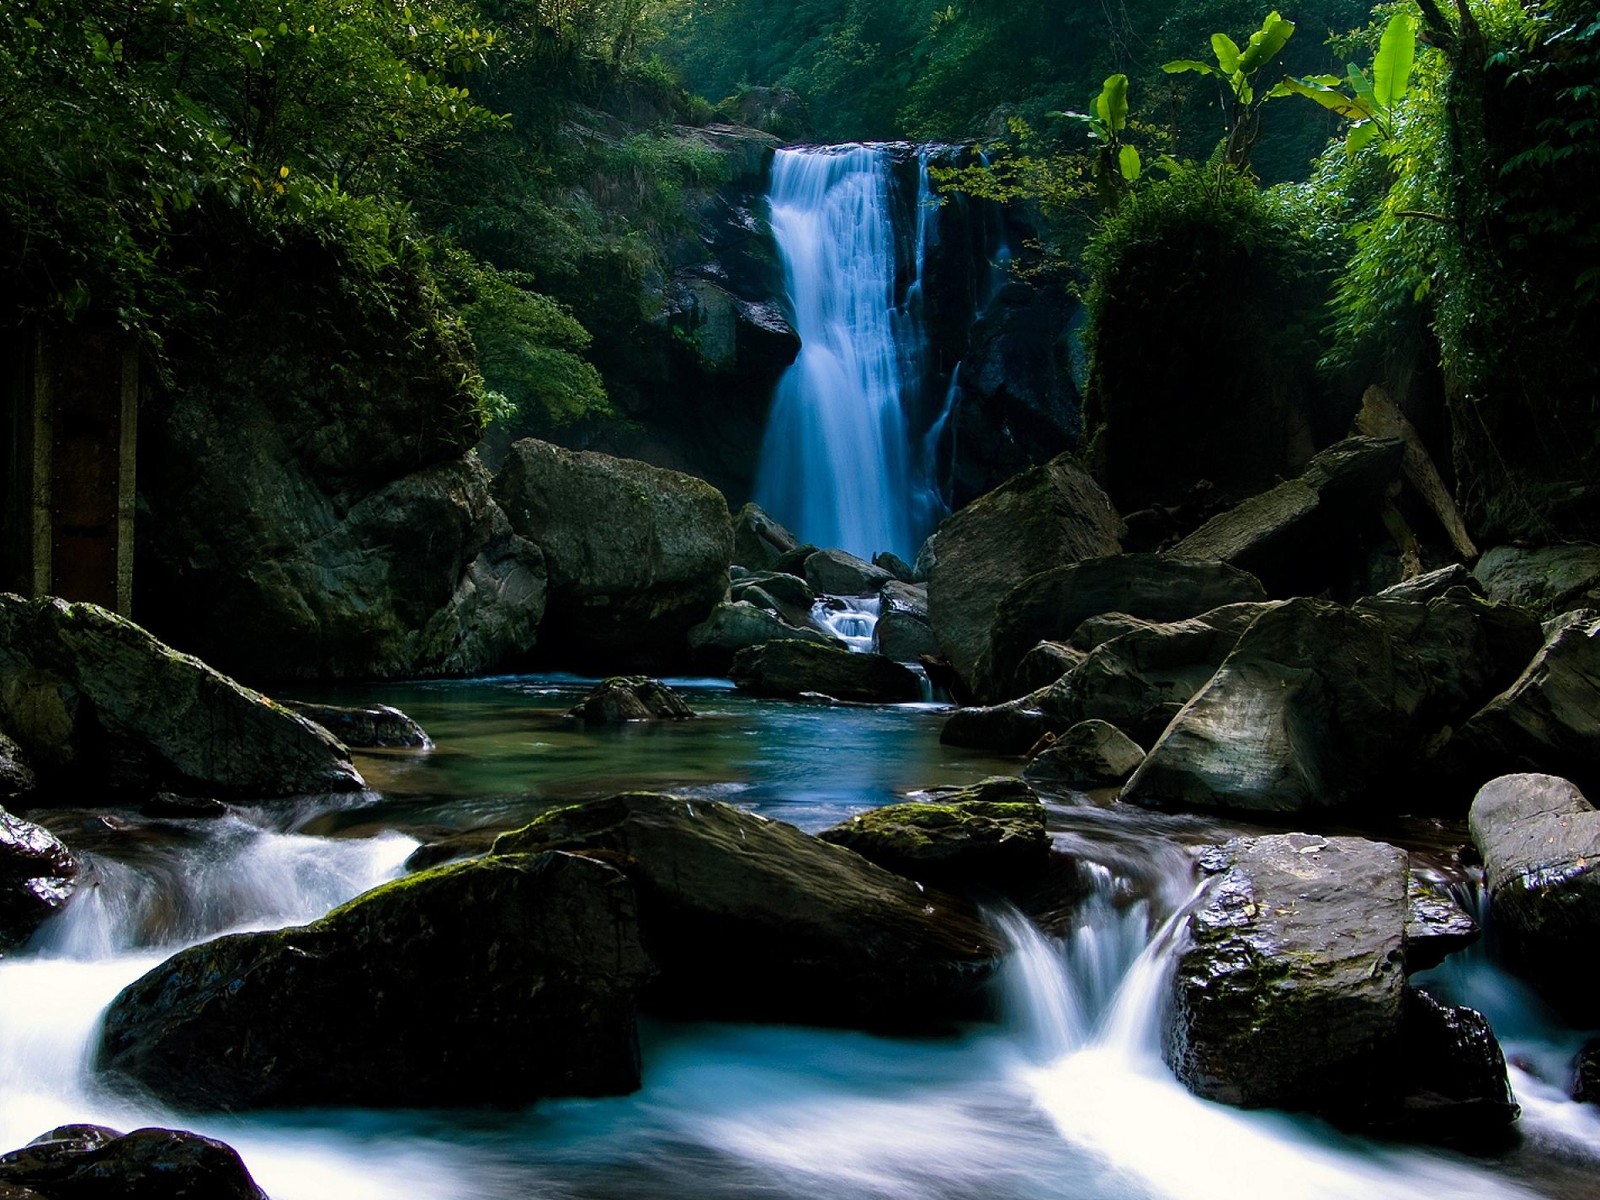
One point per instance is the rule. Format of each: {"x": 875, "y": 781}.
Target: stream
{"x": 1065, "y": 1096}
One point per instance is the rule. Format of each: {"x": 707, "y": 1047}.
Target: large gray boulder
{"x": 903, "y": 631}
{"x": 91, "y": 1162}
{"x": 379, "y": 726}
{"x": 836, "y": 573}
{"x": 1091, "y": 754}
{"x": 97, "y": 702}
{"x": 493, "y": 982}
{"x": 1045, "y": 517}
{"x": 1289, "y": 991}
{"x": 758, "y": 540}
{"x": 1052, "y": 604}
{"x": 1140, "y": 678}
{"x": 1549, "y": 580}
{"x": 790, "y": 669}
{"x": 730, "y": 628}
{"x": 37, "y": 877}
{"x": 1286, "y": 535}
{"x": 1544, "y": 721}
{"x": 1312, "y": 709}
{"x": 1540, "y": 841}
{"x": 636, "y": 555}
{"x": 750, "y": 919}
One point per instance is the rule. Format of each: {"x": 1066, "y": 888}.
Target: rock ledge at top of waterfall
{"x": 95, "y": 702}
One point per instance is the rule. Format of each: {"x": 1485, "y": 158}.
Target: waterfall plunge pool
{"x": 1065, "y": 1097}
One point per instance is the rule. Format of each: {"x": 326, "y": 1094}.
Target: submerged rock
{"x": 96, "y": 702}
{"x": 750, "y": 919}
{"x": 1289, "y": 993}
{"x": 37, "y": 877}
{"x": 1053, "y": 603}
{"x": 636, "y": 555}
{"x": 492, "y": 982}
{"x": 1090, "y": 754}
{"x": 796, "y": 668}
{"x": 630, "y": 698}
{"x": 367, "y": 728}
{"x": 91, "y": 1162}
{"x": 1540, "y": 841}
{"x": 1436, "y": 925}
{"x": 1043, "y": 518}
{"x": 989, "y": 836}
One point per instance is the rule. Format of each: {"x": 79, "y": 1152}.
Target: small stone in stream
{"x": 91, "y": 1162}
{"x": 1586, "y": 1073}
{"x": 171, "y": 806}
{"x": 628, "y": 698}
{"x": 377, "y": 727}
{"x": 37, "y": 877}
{"x": 1436, "y": 926}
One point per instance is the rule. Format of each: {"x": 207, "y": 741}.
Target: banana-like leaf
{"x": 1128, "y": 161}
{"x": 1266, "y": 43}
{"x": 1361, "y": 135}
{"x": 1397, "y": 54}
{"x": 1227, "y": 52}
{"x": 1353, "y": 108}
{"x": 1112, "y": 103}
{"x": 1179, "y": 65}
{"x": 1359, "y": 83}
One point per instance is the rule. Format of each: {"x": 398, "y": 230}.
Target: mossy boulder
{"x": 990, "y": 836}
{"x": 95, "y": 701}
{"x": 91, "y": 1162}
{"x": 636, "y": 555}
{"x": 751, "y": 919}
{"x": 37, "y": 876}
{"x": 630, "y": 698}
{"x": 795, "y": 668}
{"x": 492, "y": 982}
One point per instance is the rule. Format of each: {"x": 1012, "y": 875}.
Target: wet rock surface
{"x": 750, "y": 919}
{"x": 839, "y": 574}
{"x": 1454, "y": 1079}
{"x": 92, "y": 1162}
{"x": 37, "y": 877}
{"x": 989, "y": 836}
{"x": 791, "y": 669}
{"x": 1436, "y": 926}
{"x": 1290, "y": 991}
{"x": 731, "y": 628}
{"x": 1089, "y": 754}
{"x": 1540, "y": 841}
{"x": 759, "y": 541}
{"x": 1014, "y": 727}
{"x": 492, "y": 982}
{"x": 95, "y": 701}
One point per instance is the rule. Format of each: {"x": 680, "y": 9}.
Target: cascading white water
{"x": 836, "y": 462}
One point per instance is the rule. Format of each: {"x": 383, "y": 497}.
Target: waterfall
{"x": 836, "y": 462}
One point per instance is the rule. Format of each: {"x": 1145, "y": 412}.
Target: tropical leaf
{"x": 1397, "y": 53}
{"x": 1353, "y": 108}
{"x": 1112, "y": 104}
{"x": 1179, "y": 65}
{"x": 1227, "y": 52}
{"x": 1266, "y": 43}
{"x": 1128, "y": 162}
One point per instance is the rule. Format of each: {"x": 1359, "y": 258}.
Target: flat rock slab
{"x": 1289, "y": 992}
{"x": 751, "y": 919}
{"x": 989, "y": 836}
{"x": 1540, "y": 841}
{"x": 493, "y": 982}
{"x": 790, "y": 669}
{"x": 1051, "y": 605}
{"x": 377, "y": 727}
{"x": 96, "y": 701}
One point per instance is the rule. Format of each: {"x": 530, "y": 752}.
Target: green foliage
{"x": 529, "y": 349}
{"x": 1371, "y": 100}
{"x": 1117, "y": 164}
{"x": 1239, "y": 69}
